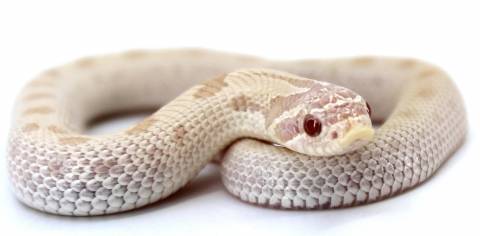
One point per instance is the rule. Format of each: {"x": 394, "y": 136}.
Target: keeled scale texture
{"x": 426, "y": 127}
{"x": 57, "y": 170}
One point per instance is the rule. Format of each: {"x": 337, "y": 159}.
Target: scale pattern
{"x": 423, "y": 131}
{"x": 56, "y": 169}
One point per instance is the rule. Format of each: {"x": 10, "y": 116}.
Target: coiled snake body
{"x": 227, "y": 109}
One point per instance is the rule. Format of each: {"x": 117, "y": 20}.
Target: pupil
{"x": 312, "y": 125}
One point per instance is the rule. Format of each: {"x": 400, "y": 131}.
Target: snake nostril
{"x": 369, "y": 109}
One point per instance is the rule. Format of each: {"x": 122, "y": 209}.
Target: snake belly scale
{"x": 216, "y": 102}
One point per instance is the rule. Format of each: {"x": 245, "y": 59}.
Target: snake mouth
{"x": 357, "y": 133}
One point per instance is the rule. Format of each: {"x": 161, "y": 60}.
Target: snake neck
{"x": 242, "y": 104}
{"x": 213, "y": 115}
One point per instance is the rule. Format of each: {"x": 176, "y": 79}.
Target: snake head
{"x": 325, "y": 120}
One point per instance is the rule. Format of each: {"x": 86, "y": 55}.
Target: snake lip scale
{"x": 317, "y": 110}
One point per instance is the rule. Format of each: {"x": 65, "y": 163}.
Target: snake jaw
{"x": 340, "y": 138}
{"x": 356, "y": 134}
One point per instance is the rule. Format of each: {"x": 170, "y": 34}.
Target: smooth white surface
{"x": 37, "y": 35}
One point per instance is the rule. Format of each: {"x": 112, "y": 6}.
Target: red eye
{"x": 369, "y": 109}
{"x": 312, "y": 125}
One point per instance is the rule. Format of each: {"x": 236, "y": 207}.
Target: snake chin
{"x": 332, "y": 148}
{"x": 342, "y": 137}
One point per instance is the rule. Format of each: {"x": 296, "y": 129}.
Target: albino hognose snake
{"x": 247, "y": 105}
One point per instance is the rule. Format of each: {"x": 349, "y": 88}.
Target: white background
{"x": 39, "y": 34}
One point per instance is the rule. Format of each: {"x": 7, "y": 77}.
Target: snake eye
{"x": 312, "y": 125}
{"x": 369, "y": 109}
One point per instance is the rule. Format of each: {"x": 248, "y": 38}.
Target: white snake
{"x": 57, "y": 169}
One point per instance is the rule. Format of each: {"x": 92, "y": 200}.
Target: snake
{"x": 289, "y": 134}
